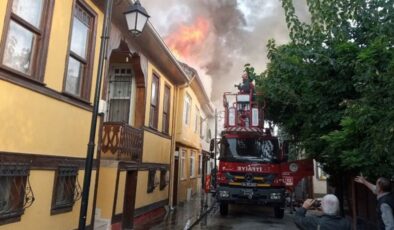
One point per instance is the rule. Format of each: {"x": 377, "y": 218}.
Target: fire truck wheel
{"x": 223, "y": 209}
{"x": 279, "y": 212}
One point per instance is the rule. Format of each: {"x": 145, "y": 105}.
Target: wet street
{"x": 201, "y": 213}
{"x": 245, "y": 217}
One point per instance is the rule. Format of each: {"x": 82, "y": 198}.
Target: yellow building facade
{"x": 194, "y": 107}
{"x": 138, "y": 129}
{"x": 46, "y": 79}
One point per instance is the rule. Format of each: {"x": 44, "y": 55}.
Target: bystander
{"x": 327, "y": 220}
{"x": 385, "y": 205}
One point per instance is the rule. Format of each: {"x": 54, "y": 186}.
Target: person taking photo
{"x": 328, "y": 220}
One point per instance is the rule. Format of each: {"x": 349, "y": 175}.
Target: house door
{"x": 129, "y": 200}
{"x": 120, "y": 93}
{"x": 175, "y": 184}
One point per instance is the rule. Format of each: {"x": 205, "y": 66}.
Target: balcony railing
{"x": 121, "y": 142}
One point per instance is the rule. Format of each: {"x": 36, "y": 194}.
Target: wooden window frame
{"x": 151, "y": 180}
{"x": 183, "y": 154}
{"x": 187, "y": 111}
{"x": 208, "y": 134}
{"x": 86, "y": 81}
{"x": 163, "y": 179}
{"x": 201, "y": 127}
{"x": 196, "y": 119}
{"x": 153, "y": 121}
{"x": 320, "y": 174}
{"x": 113, "y": 79}
{"x": 200, "y": 161}
{"x": 166, "y": 123}
{"x": 40, "y": 49}
{"x": 66, "y": 171}
{"x": 192, "y": 166}
{"x": 20, "y": 173}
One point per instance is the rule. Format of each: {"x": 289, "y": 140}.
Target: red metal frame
{"x": 242, "y": 111}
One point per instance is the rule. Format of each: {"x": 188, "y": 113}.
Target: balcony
{"x": 121, "y": 142}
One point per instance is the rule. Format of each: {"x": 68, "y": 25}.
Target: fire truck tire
{"x": 279, "y": 212}
{"x": 223, "y": 208}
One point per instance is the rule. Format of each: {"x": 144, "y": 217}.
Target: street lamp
{"x": 140, "y": 19}
{"x": 136, "y": 17}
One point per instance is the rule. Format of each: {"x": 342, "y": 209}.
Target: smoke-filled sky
{"x": 217, "y": 37}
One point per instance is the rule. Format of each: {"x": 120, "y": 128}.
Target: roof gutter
{"x": 187, "y": 84}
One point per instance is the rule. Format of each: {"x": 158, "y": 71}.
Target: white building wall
{"x": 319, "y": 181}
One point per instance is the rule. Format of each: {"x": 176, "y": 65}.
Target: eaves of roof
{"x": 150, "y": 44}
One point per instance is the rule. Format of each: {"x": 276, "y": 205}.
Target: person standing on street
{"x": 329, "y": 220}
{"x": 385, "y": 197}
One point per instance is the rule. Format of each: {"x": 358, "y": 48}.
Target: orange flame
{"x": 186, "y": 39}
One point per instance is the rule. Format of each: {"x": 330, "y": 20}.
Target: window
{"x": 201, "y": 127}
{"x": 151, "y": 180}
{"x": 164, "y": 178}
{"x": 154, "y": 102}
{"x": 15, "y": 191}
{"x": 183, "y": 165}
{"x": 186, "y": 109}
{"x": 26, "y": 37}
{"x": 80, "y": 59}
{"x": 209, "y": 135}
{"x": 166, "y": 109}
{"x": 67, "y": 189}
{"x": 250, "y": 149}
{"x": 199, "y": 164}
{"x": 320, "y": 174}
{"x": 120, "y": 94}
{"x": 192, "y": 167}
{"x": 196, "y": 120}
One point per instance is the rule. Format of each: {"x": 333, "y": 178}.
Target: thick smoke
{"x": 238, "y": 34}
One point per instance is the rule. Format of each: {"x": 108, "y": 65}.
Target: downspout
{"x": 172, "y": 153}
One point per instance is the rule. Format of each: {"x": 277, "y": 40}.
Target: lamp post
{"x": 136, "y": 17}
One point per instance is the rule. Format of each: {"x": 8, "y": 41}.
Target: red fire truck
{"x": 253, "y": 168}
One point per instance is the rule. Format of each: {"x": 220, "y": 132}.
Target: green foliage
{"x": 332, "y": 87}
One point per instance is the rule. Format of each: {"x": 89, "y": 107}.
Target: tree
{"x": 332, "y": 87}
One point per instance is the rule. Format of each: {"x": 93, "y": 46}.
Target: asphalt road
{"x": 245, "y": 217}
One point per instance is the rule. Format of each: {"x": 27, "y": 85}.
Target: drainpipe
{"x": 172, "y": 153}
{"x": 93, "y": 125}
